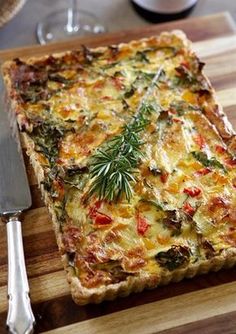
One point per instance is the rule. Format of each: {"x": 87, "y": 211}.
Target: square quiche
{"x": 135, "y": 160}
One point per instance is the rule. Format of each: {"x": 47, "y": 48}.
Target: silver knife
{"x": 14, "y": 198}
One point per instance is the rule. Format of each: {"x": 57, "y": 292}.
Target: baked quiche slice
{"x": 135, "y": 160}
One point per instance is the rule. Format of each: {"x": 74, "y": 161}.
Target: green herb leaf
{"x": 157, "y": 205}
{"x": 113, "y": 165}
{"x": 208, "y": 162}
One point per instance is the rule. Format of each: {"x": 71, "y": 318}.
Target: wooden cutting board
{"x": 205, "y": 304}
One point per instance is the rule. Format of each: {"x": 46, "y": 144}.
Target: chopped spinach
{"x": 181, "y": 107}
{"x": 173, "y": 221}
{"x": 142, "y": 57}
{"x": 185, "y": 77}
{"x": 208, "y": 248}
{"x": 110, "y": 65}
{"x": 47, "y": 137}
{"x": 125, "y": 104}
{"x": 129, "y": 92}
{"x": 157, "y": 205}
{"x": 31, "y": 81}
{"x": 119, "y": 74}
{"x": 76, "y": 176}
{"x": 155, "y": 170}
{"x": 208, "y": 162}
{"x": 145, "y": 75}
{"x": 70, "y": 120}
{"x": 59, "y": 78}
{"x": 34, "y": 95}
{"x": 73, "y": 170}
{"x": 61, "y": 212}
{"x": 49, "y": 177}
{"x": 71, "y": 258}
{"x": 174, "y": 258}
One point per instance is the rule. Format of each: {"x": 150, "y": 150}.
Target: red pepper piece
{"x": 199, "y": 140}
{"x": 106, "y": 98}
{"x": 185, "y": 64}
{"x": 98, "y": 85}
{"x": 102, "y": 219}
{"x": 220, "y": 149}
{"x": 142, "y": 225}
{"x": 94, "y": 209}
{"x": 98, "y": 217}
{"x": 203, "y": 171}
{"x": 218, "y": 202}
{"x": 192, "y": 191}
{"x": 172, "y": 111}
{"x": 164, "y": 177}
{"x": 234, "y": 182}
{"x": 188, "y": 209}
{"x": 177, "y": 120}
{"x": 231, "y": 162}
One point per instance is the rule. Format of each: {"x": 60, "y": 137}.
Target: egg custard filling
{"x": 140, "y": 184}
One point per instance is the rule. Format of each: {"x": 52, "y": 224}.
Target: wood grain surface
{"x": 205, "y": 304}
{"x": 198, "y": 28}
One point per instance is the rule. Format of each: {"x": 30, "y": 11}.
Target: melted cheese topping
{"x": 182, "y": 209}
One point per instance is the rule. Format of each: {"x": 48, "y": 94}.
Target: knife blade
{"x": 14, "y": 198}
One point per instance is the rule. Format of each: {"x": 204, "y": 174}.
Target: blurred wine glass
{"x": 67, "y": 23}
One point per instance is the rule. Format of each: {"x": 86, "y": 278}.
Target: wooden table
{"x": 205, "y": 304}
{"x": 116, "y": 15}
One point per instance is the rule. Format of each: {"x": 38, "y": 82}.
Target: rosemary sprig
{"x": 113, "y": 165}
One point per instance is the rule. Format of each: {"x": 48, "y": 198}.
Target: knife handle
{"x": 20, "y": 318}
